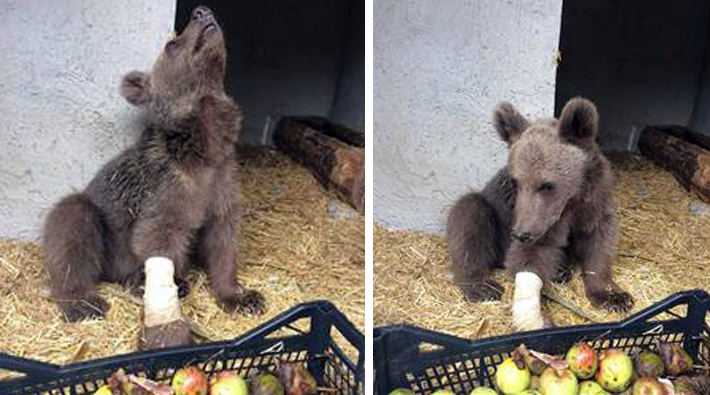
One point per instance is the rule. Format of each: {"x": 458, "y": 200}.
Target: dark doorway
{"x": 303, "y": 57}
{"x": 641, "y": 61}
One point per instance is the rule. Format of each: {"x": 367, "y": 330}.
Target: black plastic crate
{"x": 280, "y": 338}
{"x": 425, "y": 361}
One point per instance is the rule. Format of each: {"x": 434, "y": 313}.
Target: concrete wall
{"x": 439, "y": 69}
{"x": 284, "y": 56}
{"x": 61, "y": 117}
{"x": 640, "y": 61}
{"x": 349, "y": 104}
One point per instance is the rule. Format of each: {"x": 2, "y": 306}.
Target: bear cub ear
{"x": 579, "y": 122}
{"x": 134, "y": 87}
{"x": 508, "y": 122}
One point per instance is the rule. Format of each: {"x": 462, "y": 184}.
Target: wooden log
{"x": 335, "y": 164}
{"x": 334, "y": 130}
{"x": 686, "y": 134}
{"x": 689, "y": 163}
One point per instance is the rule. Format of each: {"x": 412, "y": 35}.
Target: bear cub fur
{"x": 173, "y": 193}
{"x": 551, "y": 207}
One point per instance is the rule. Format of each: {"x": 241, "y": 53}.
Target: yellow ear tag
{"x": 172, "y": 36}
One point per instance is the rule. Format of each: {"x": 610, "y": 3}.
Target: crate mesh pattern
{"x": 426, "y": 361}
{"x": 256, "y": 351}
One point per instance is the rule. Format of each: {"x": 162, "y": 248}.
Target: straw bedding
{"x": 662, "y": 249}
{"x": 293, "y": 251}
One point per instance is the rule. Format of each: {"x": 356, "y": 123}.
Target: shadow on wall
{"x": 292, "y": 58}
{"x": 642, "y": 62}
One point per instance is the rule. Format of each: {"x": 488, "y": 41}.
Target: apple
{"x": 483, "y": 391}
{"x": 649, "y": 364}
{"x": 228, "y": 383}
{"x": 558, "y": 382}
{"x": 591, "y": 388}
{"x": 189, "y": 381}
{"x": 510, "y": 379}
{"x": 648, "y": 386}
{"x": 615, "y": 370}
{"x": 582, "y": 360}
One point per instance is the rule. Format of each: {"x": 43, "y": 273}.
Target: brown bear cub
{"x": 172, "y": 194}
{"x": 550, "y": 207}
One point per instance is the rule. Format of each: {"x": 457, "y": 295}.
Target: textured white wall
{"x": 439, "y": 69}
{"x": 61, "y": 117}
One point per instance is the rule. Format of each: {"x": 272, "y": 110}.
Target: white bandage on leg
{"x": 527, "y": 311}
{"x": 160, "y": 300}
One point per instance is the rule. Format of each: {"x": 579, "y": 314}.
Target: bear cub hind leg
{"x": 473, "y": 235}
{"x": 73, "y": 245}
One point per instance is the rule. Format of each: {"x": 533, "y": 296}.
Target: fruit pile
{"x": 290, "y": 379}
{"x": 584, "y": 371}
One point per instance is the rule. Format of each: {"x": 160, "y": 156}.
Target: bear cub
{"x": 173, "y": 193}
{"x": 551, "y": 207}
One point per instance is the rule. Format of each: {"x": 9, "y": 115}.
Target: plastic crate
{"x": 424, "y": 360}
{"x": 256, "y": 350}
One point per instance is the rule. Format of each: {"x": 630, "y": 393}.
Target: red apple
{"x": 190, "y": 381}
{"x": 582, "y": 360}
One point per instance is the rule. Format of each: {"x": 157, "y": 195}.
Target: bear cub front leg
{"x": 473, "y": 235}
{"x": 532, "y": 266}
{"x": 217, "y": 249}
{"x": 595, "y": 252}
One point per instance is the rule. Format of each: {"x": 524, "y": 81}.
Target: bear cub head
{"x": 190, "y": 67}
{"x": 548, "y": 163}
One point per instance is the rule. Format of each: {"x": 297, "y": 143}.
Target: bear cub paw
{"x": 92, "y": 307}
{"x": 614, "y": 301}
{"x": 483, "y": 291}
{"x": 563, "y": 276}
{"x": 247, "y": 302}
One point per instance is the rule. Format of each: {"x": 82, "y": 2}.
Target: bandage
{"x": 527, "y": 310}
{"x": 160, "y": 299}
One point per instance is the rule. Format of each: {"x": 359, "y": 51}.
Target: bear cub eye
{"x": 514, "y": 183}
{"x": 546, "y": 187}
